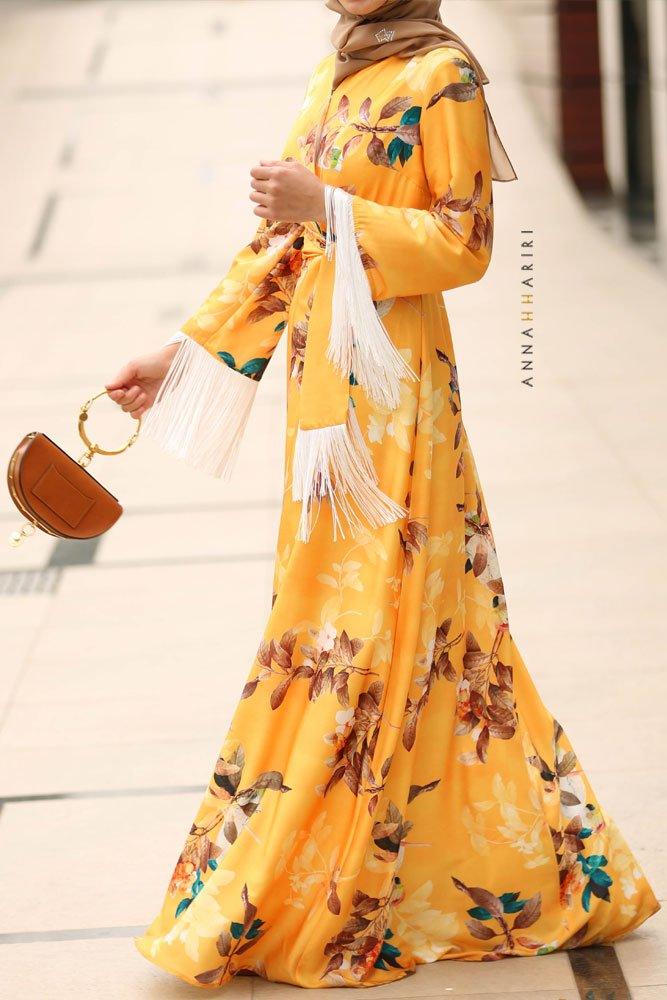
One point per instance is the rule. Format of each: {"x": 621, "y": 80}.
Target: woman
{"x": 391, "y": 791}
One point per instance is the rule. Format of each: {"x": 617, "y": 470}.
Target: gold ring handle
{"x": 91, "y": 447}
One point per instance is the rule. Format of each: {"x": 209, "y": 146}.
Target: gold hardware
{"x": 25, "y": 531}
{"x": 94, "y": 449}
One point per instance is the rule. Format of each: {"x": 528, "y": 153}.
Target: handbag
{"x": 55, "y": 492}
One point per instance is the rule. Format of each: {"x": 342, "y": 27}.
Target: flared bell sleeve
{"x": 413, "y": 251}
{"x": 203, "y": 404}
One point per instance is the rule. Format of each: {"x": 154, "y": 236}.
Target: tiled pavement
{"x": 128, "y": 129}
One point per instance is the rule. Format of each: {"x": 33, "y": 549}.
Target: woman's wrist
{"x": 320, "y": 213}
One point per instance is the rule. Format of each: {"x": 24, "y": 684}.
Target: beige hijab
{"x": 406, "y": 28}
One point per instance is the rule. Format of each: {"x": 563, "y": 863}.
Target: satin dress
{"x": 392, "y": 790}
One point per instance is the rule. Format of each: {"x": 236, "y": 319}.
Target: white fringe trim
{"x": 335, "y": 463}
{"x": 358, "y": 340}
{"x": 201, "y": 410}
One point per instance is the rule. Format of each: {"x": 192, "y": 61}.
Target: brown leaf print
{"x": 466, "y": 90}
{"x": 412, "y": 541}
{"x": 440, "y": 666}
{"x": 482, "y": 558}
{"x": 354, "y": 743}
{"x": 509, "y": 912}
{"x": 485, "y": 698}
{"x": 389, "y": 834}
{"x": 330, "y": 664}
{"x": 360, "y": 940}
{"x": 241, "y": 936}
{"x": 396, "y": 106}
{"x": 376, "y": 152}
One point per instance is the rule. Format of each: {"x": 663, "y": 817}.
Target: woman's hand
{"x": 286, "y": 191}
{"x": 135, "y": 386}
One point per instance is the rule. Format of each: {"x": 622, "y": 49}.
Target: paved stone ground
{"x": 128, "y": 131}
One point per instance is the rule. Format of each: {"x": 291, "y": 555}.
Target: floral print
{"x": 392, "y": 791}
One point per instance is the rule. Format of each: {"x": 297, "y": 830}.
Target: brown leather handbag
{"x": 55, "y": 492}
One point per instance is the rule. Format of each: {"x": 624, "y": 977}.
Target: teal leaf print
{"x": 411, "y": 116}
{"x": 406, "y": 133}
{"x": 511, "y": 902}
{"x": 599, "y": 881}
{"x": 389, "y": 953}
{"x": 586, "y": 898}
{"x": 399, "y": 150}
{"x": 253, "y": 930}
{"x": 253, "y": 367}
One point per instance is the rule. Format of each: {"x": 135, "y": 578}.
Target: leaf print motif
{"x": 299, "y": 338}
{"x": 485, "y": 698}
{"x": 482, "y": 558}
{"x": 450, "y": 210}
{"x": 273, "y": 294}
{"x": 389, "y": 834}
{"x": 466, "y": 90}
{"x": 454, "y": 391}
{"x": 425, "y": 929}
{"x": 240, "y": 936}
{"x": 440, "y": 666}
{"x": 489, "y": 907}
{"x": 313, "y": 868}
{"x": 396, "y": 106}
{"x": 412, "y": 541}
{"x": 355, "y": 745}
{"x": 274, "y": 658}
{"x": 416, "y": 790}
{"x": 252, "y": 369}
{"x": 363, "y": 938}
{"x": 232, "y": 806}
{"x": 578, "y": 873}
{"x": 405, "y": 134}
{"x": 377, "y": 153}
{"x": 327, "y": 665}
{"x": 517, "y": 818}
{"x": 562, "y": 775}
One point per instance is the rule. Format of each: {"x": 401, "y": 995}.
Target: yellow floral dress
{"x": 392, "y": 790}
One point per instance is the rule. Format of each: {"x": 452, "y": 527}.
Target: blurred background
{"x": 127, "y": 131}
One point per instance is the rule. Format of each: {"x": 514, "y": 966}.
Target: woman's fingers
{"x": 130, "y": 397}
{"x": 261, "y": 185}
{"x": 260, "y": 197}
{"x": 125, "y": 377}
{"x": 118, "y": 395}
{"x": 139, "y": 407}
{"x": 262, "y": 172}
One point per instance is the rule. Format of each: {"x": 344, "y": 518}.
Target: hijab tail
{"x": 501, "y": 165}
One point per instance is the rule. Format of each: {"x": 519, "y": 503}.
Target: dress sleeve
{"x": 411, "y": 251}
{"x": 202, "y": 407}
{"x": 203, "y": 404}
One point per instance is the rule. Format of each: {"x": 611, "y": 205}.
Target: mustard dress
{"x": 392, "y": 790}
